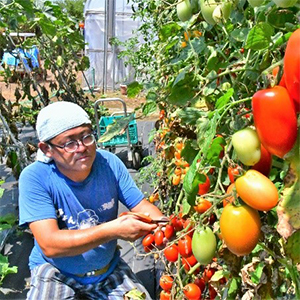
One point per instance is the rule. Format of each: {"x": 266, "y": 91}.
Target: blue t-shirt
{"x": 45, "y": 193}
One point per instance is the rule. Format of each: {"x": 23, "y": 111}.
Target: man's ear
{"x": 45, "y": 148}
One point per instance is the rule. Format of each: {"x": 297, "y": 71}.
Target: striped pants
{"x": 47, "y": 283}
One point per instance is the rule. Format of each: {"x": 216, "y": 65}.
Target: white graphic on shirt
{"x": 108, "y": 205}
{"x": 86, "y": 218}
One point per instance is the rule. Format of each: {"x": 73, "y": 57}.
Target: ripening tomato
{"x": 204, "y": 245}
{"x": 275, "y": 120}
{"x": 229, "y": 199}
{"x": 171, "y": 253}
{"x": 185, "y": 246}
{"x": 192, "y": 291}
{"x": 202, "y": 205}
{"x": 177, "y": 222}
{"x": 148, "y": 240}
{"x": 240, "y": 228}
{"x": 247, "y": 146}
{"x": 203, "y": 188}
{"x": 159, "y": 237}
{"x": 165, "y": 295}
{"x": 265, "y": 163}
{"x": 291, "y": 66}
{"x": 184, "y": 10}
{"x": 169, "y": 231}
{"x": 166, "y": 282}
{"x": 232, "y": 172}
{"x": 257, "y": 190}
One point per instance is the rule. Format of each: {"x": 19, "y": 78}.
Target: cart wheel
{"x": 136, "y": 159}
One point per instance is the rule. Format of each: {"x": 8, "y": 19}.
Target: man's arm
{"x": 58, "y": 243}
{"x": 146, "y": 207}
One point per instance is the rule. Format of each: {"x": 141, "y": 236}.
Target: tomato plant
{"x": 265, "y": 163}
{"x": 292, "y": 64}
{"x": 247, "y": 146}
{"x": 257, "y": 190}
{"x": 185, "y": 246}
{"x": 166, "y": 282}
{"x": 159, "y": 237}
{"x": 204, "y": 245}
{"x": 171, "y": 253}
{"x": 148, "y": 240}
{"x": 241, "y": 239}
{"x": 275, "y": 120}
{"x": 204, "y": 187}
{"x": 202, "y": 205}
{"x": 192, "y": 291}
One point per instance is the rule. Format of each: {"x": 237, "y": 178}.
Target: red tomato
{"x": 212, "y": 292}
{"x": 201, "y": 283}
{"x": 148, "y": 240}
{"x": 177, "y": 222}
{"x": 202, "y": 206}
{"x": 188, "y": 262}
{"x": 265, "y": 163}
{"x": 189, "y": 224}
{"x": 171, "y": 253}
{"x": 291, "y": 67}
{"x": 166, "y": 282}
{"x": 208, "y": 274}
{"x": 185, "y": 246}
{"x": 159, "y": 237}
{"x": 192, "y": 291}
{"x": 240, "y": 228}
{"x": 169, "y": 231}
{"x": 257, "y": 190}
{"x": 165, "y": 295}
{"x": 275, "y": 120}
{"x": 232, "y": 172}
{"x": 204, "y": 187}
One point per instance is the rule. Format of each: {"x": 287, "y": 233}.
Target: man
{"x": 69, "y": 199}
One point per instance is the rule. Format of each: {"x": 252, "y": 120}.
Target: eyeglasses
{"x": 73, "y": 145}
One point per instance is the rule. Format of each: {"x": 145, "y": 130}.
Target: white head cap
{"x": 58, "y": 117}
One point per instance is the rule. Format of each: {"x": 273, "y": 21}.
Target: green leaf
{"x": 133, "y": 89}
{"x": 135, "y": 294}
{"x": 259, "y": 36}
{"x": 189, "y": 152}
{"x": 190, "y": 115}
{"x": 240, "y": 34}
{"x": 279, "y": 18}
{"x": 180, "y": 95}
{"x": 233, "y": 288}
{"x": 256, "y": 275}
{"x": 9, "y": 219}
{"x": 170, "y": 29}
{"x": 223, "y": 100}
{"x": 179, "y": 77}
{"x": 117, "y": 127}
{"x": 149, "y": 107}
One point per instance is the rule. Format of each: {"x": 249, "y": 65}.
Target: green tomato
{"x": 204, "y": 245}
{"x": 184, "y": 10}
{"x": 207, "y": 9}
{"x": 285, "y": 3}
{"x": 222, "y": 12}
{"x": 247, "y": 146}
{"x": 256, "y": 3}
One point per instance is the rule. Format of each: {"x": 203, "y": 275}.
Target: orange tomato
{"x": 240, "y": 228}
{"x": 177, "y": 171}
{"x": 202, "y": 206}
{"x": 229, "y": 199}
{"x": 257, "y": 190}
{"x": 176, "y": 179}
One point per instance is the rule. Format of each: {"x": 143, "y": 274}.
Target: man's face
{"x": 76, "y": 165}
